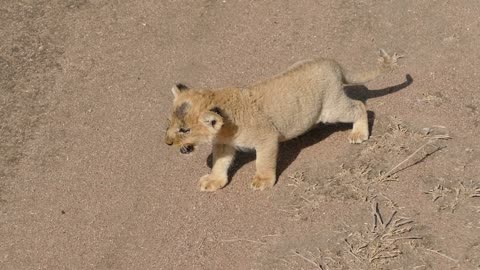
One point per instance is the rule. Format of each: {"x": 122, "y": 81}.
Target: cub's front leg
{"x": 222, "y": 158}
{"x": 266, "y": 165}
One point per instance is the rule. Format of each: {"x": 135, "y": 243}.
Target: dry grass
{"x": 316, "y": 259}
{"x": 398, "y": 149}
{"x": 450, "y": 197}
{"x": 382, "y": 241}
{"x": 362, "y": 177}
{"x": 370, "y": 248}
{"x": 297, "y": 179}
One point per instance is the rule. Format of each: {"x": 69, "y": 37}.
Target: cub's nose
{"x": 168, "y": 141}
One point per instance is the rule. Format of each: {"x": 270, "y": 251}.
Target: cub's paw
{"x": 261, "y": 182}
{"x": 357, "y": 137}
{"x": 210, "y": 182}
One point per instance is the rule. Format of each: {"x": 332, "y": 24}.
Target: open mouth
{"x": 186, "y": 149}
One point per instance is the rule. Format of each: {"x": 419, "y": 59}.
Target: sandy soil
{"x": 86, "y": 182}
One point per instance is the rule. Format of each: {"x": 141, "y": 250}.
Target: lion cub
{"x": 264, "y": 114}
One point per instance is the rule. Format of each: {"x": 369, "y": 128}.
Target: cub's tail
{"x": 385, "y": 63}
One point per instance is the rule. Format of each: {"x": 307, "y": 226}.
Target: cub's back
{"x": 293, "y": 100}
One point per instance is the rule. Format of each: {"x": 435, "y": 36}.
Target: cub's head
{"x": 192, "y": 121}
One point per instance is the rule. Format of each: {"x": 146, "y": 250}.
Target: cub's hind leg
{"x": 346, "y": 110}
{"x": 359, "y": 117}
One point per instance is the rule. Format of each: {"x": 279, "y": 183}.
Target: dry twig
{"x": 307, "y": 259}
{"x": 243, "y": 239}
{"x": 430, "y": 141}
{"x": 443, "y": 255}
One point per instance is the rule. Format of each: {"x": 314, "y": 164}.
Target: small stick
{"x": 443, "y": 255}
{"x": 307, "y": 200}
{"x": 308, "y": 260}
{"x": 242, "y": 239}
{"x": 353, "y": 254}
{"x": 401, "y": 222}
{"x": 270, "y": 235}
{"x": 379, "y": 216}
{"x": 391, "y": 218}
{"x": 389, "y": 173}
{"x": 375, "y": 218}
{"x": 407, "y": 238}
{"x": 401, "y": 163}
{"x": 386, "y": 256}
{"x": 374, "y": 223}
{"x": 350, "y": 249}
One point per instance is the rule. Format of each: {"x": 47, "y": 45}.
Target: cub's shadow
{"x": 289, "y": 150}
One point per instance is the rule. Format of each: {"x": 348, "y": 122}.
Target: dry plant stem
{"x": 407, "y": 238}
{"x": 377, "y": 213}
{"x": 270, "y": 235}
{"x": 386, "y": 256}
{"x": 389, "y": 173}
{"x": 443, "y": 255}
{"x": 401, "y": 163}
{"x": 350, "y": 250}
{"x": 377, "y": 217}
{"x": 307, "y": 259}
{"x": 390, "y": 220}
{"x": 476, "y": 193}
{"x": 242, "y": 239}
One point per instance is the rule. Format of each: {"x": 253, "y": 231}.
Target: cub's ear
{"x": 177, "y": 88}
{"x": 212, "y": 120}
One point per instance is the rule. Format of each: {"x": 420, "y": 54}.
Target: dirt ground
{"x": 87, "y": 183}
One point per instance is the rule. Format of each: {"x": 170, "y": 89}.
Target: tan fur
{"x": 261, "y": 116}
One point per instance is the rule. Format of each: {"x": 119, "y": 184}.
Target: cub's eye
{"x": 184, "y": 130}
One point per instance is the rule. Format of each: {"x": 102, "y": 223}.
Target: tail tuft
{"x": 386, "y": 63}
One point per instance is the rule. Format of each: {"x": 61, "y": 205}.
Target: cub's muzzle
{"x": 168, "y": 141}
